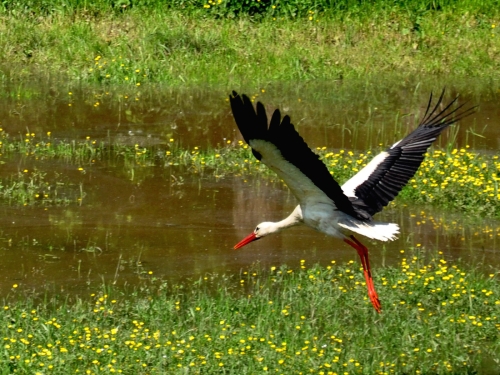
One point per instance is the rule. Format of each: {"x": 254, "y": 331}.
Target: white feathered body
{"x": 316, "y": 209}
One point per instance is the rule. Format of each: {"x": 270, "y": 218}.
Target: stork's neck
{"x": 294, "y": 218}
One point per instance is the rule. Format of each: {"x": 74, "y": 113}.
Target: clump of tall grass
{"x": 437, "y": 318}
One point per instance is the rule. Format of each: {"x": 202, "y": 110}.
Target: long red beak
{"x": 251, "y": 237}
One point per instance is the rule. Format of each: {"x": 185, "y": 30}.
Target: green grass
{"x": 189, "y": 45}
{"x": 437, "y": 318}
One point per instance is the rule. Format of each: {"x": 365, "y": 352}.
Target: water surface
{"x": 337, "y": 114}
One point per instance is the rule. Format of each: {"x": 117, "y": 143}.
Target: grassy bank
{"x": 436, "y": 318}
{"x": 186, "y": 43}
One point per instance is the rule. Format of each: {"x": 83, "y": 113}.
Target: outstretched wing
{"x": 283, "y": 150}
{"x": 382, "y": 179}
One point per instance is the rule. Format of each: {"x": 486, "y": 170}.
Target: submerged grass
{"x": 457, "y": 178}
{"x": 36, "y": 188}
{"x": 437, "y": 318}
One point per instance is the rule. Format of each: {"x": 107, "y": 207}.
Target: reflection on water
{"x": 177, "y": 225}
{"x": 352, "y": 114}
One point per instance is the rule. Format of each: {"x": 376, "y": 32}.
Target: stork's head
{"x": 262, "y": 230}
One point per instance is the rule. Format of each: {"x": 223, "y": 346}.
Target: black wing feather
{"x": 282, "y": 134}
{"x": 404, "y": 158}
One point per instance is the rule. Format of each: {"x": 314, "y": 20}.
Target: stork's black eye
{"x": 257, "y": 229}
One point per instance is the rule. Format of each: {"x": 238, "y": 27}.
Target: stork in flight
{"x": 323, "y": 204}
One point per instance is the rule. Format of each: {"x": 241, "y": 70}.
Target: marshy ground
{"x": 124, "y": 185}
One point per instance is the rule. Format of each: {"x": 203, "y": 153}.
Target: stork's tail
{"x": 374, "y": 230}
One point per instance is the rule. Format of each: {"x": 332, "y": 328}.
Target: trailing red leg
{"x": 363, "y": 255}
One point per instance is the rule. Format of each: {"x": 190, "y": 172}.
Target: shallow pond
{"x": 168, "y": 222}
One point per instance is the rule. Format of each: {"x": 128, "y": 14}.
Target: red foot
{"x": 363, "y": 255}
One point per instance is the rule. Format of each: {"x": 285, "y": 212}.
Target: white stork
{"x": 323, "y": 204}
